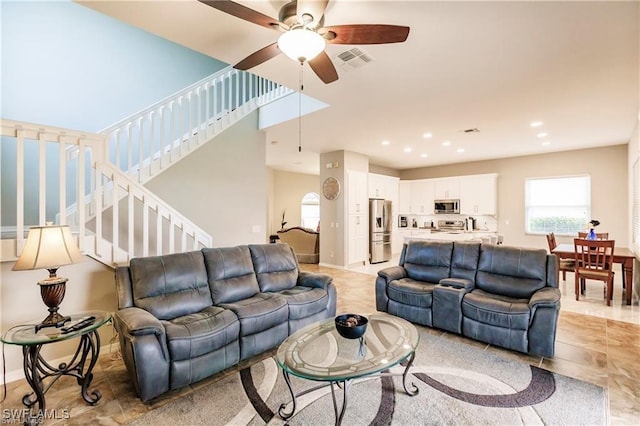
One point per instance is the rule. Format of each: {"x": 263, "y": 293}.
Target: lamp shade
{"x": 301, "y": 44}
{"x": 48, "y": 247}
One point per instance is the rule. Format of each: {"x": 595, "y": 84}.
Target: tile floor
{"x": 593, "y": 347}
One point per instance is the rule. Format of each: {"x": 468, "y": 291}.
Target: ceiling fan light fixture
{"x": 301, "y": 44}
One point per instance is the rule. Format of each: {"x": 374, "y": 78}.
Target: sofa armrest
{"x": 314, "y": 280}
{"x": 144, "y": 351}
{"x": 392, "y": 273}
{"x": 466, "y": 284}
{"x": 545, "y": 309}
{"x": 545, "y": 297}
{"x": 137, "y": 322}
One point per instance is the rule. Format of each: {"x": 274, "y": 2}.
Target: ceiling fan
{"x": 304, "y": 35}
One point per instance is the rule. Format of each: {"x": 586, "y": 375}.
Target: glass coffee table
{"x": 317, "y": 352}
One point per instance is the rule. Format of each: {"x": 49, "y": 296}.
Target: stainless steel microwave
{"x": 446, "y": 206}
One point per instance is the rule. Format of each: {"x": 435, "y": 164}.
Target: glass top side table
{"x": 37, "y": 369}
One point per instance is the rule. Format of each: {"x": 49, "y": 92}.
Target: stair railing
{"x": 147, "y": 142}
{"x": 119, "y": 218}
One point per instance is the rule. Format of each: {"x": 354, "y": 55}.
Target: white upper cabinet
{"x": 478, "y": 194}
{"x": 404, "y": 202}
{"x": 447, "y": 188}
{"x": 382, "y": 186}
{"x": 422, "y": 197}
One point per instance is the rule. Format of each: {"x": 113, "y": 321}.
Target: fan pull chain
{"x": 300, "y": 78}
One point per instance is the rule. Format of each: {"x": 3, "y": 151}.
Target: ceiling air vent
{"x": 352, "y": 58}
{"x": 472, "y": 130}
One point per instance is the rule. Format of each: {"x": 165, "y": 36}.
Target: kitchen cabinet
{"x": 404, "y": 197}
{"x": 447, "y": 188}
{"x": 357, "y": 197}
{"x": 382, "y": 186}
{"x": 357, "y": 212}
{"x": 358, "y": 247}
{"x": 421, "y": 197}
{"x": 478, "y": 194}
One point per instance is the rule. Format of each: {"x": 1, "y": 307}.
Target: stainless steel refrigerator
{"x": 379, "y": 230}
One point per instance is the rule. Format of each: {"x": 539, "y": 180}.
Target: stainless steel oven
{"x": 446, "y": 206}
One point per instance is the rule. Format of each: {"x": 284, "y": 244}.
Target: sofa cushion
{"x": 305, "y": 301}
{"x": 170, "y": 286}
{"x": 230, "y": 272}
{"x": 260, "y": 312}
{"x": 196, "y": 334}
{"x": 275, "y": 266}
{"x": 497, "y": 310}
{"x": 411, "y": 292}
{"x": 511, "y": 271}
{"x": 428, "y": 261}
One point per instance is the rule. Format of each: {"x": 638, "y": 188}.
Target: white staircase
{"x": 94, "y": 182}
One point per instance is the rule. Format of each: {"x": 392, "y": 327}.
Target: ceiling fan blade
{"x": 314, "y": 8}
{"x": 258, "y": 57}
{"x": 366, "y": 34}
{"x": 242, "y": 12}
{"x": 323, "y": 67}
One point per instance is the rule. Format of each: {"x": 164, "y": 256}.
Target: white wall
{"x": 607, "y": 167}
{"x": 222, "y": 186}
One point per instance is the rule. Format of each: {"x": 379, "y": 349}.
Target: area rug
{"x": 458, "y": 384}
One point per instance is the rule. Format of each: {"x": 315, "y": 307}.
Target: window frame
{"x": 528, "y": 206}
{"x": 308, "y": 202}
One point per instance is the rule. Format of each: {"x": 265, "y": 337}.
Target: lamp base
{"x": 52, "y": 292}
{"x": 54, "y": 319}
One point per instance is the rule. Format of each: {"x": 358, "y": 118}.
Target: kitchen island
{"x": 429, "y": 234}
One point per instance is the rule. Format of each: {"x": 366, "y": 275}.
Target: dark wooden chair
{"x": 594, "y": 260}
{"x": 566, "y": 264}
{"x": 599, "y": 235}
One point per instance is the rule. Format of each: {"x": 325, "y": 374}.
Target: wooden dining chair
{"x": 599, "y": 235}
{"x": 566, "y": 264}
{"x": 594, "y": 261}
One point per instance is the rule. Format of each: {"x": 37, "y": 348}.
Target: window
{"x": 310, "y": 210}
{"x": 561, "y": 205}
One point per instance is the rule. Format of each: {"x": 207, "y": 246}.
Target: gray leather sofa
{"x": 505, "y": 296}
{"x": 184, "y": 317}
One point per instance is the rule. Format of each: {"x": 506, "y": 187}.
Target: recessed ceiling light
{"x": 546, "y": 143}
{"x": 427, "y": 135}
{"x": 423, "y": 155}
{"x": 408, "y": 149}
{"x": 536, "y": 123}
{"x": 446, "y": 143}
{"x": 386, "y": 143}
{"x": 542, "y": 135}
{"x": 460, "y": 150}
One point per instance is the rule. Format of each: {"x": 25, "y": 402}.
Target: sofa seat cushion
{"x": 411, "y": 292}
{"x": 260, "y": 312}
{"x": 305, "y": 301}
{"x": 196, "y": 334}
{"x": 496, "y": 310}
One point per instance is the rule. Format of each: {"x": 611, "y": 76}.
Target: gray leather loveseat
{"x": 505, "y": 296}
{"x": 184, "y": 317}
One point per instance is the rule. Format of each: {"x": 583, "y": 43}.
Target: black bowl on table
{"x": 351, "y": 326}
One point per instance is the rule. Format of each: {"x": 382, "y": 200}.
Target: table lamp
{"x": 49, "y": 247}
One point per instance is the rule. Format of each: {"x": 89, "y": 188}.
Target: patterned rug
{"x": 458, "y": 384}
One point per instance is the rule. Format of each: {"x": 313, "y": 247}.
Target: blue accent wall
{"x": 66, "y": 65}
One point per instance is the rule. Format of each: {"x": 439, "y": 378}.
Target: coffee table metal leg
{"x": 414, "y": 390}
{"x": 281, "y": 411}
{"x": 344, "y": 385}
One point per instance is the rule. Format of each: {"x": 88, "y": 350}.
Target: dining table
{"x": 621, "y": 255}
